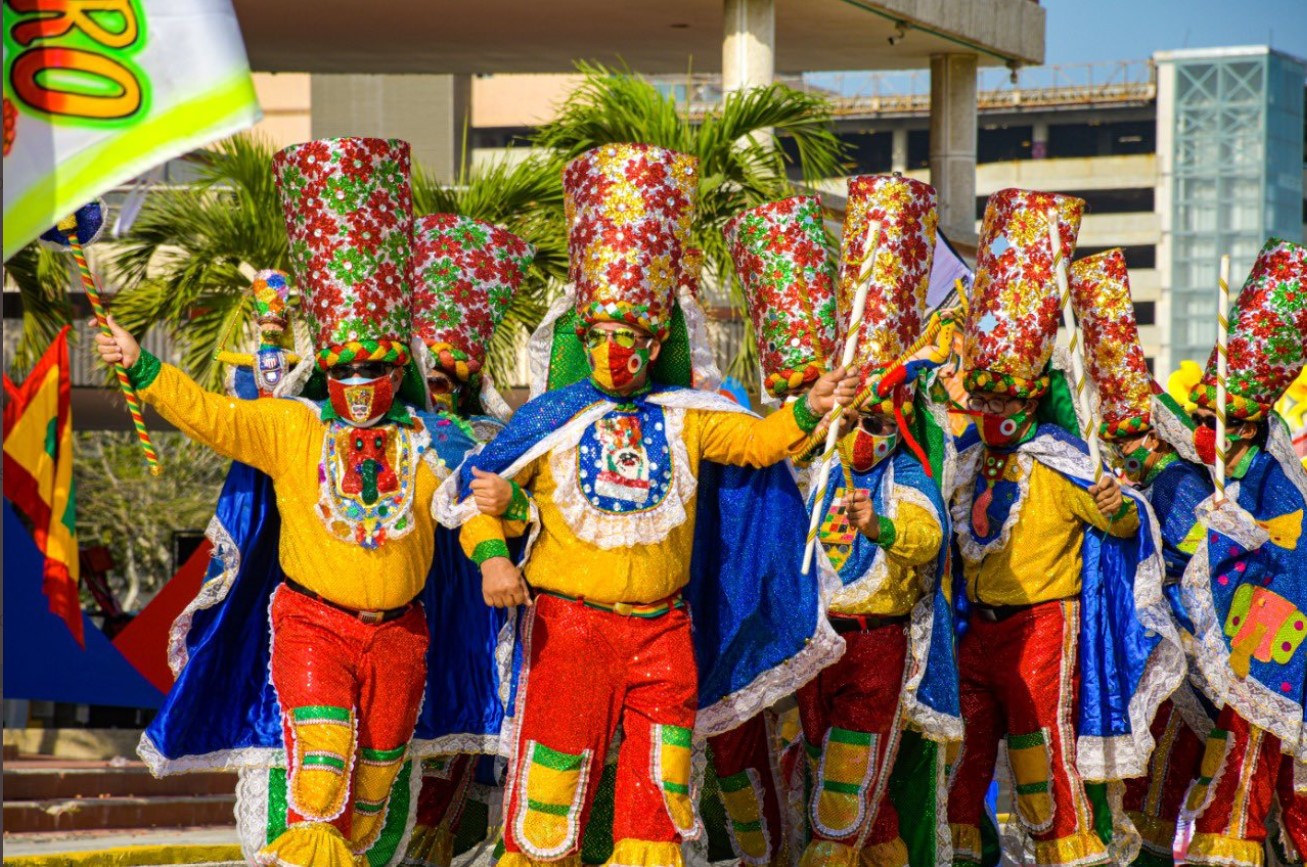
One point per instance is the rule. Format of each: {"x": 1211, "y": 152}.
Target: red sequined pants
{"x": 1245, "y": 771}
{"x": 1154, "y": 800}
{"x": 587, "y": 671}
{"x": 850, "y": 711}
{"x": 327, "y": 665}
{"x": 1019, "y": 680}
{"x": 746, "y": 774}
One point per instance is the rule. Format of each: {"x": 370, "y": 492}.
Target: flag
{"x": 93, "y": 99}
{"x": 946, "y": 269}
{"x": 38, "y": 474}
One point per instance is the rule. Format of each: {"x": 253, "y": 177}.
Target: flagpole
{"x": 1222, "y": 340}
{"x": 68, "y": 226}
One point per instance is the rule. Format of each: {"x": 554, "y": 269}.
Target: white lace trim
{"x": 1126, "y": 756}
{"x": 252, "y": 811}
{"x": 703, "y": 366}
{"x": 624, "y": 530}
{"x": 211, "y": 593}
{"x": 540, "y": 346}
{"x": 1252, "y": 700}
{"x": 1174, "y": 431}
{"x": 219, "y": 760}
{"x": 870, "y": 582}
{"x": 492, "y": 401}
{"x": 960, "y": 499}
{"x": 455, "y": 744}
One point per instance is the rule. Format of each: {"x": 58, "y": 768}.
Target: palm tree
{"x": 42, "y": 278}
{"x": 740, "y": 163}
{"x": 189, "y": 257}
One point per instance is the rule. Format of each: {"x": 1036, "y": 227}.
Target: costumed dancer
{"x": 1114, "y": 362}
{"x": 1068, "y": 647}
{"x": 779, "y": 252}
{"x": 883, "y": 532}
{"x": 346, "y": 654}
{"x": 465, "y": 274}
{"x": 647, "y": 494}
{"x": 1245, "y": 586}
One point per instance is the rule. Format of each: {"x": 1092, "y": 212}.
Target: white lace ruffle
{"x": 1230, "y": 519}
{"x": 540, "y": 347}
{"x": 211, "y": 593}
{"x": 960, "y": 502}
{"x": 624, "y": 530}
{"x": 252, "y": 811}
{"x": 492, "y": 401}
{"x": 1174, "y": 431}
{"x": 220, "y": 760}
{"x": 1126, "y": 756}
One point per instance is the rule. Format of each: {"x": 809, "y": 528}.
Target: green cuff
{"x": 145, "y": 370}
{"x": 887, "y": 533}
{"x": 518, "y": 507}
{"x": 489, "y": 550}
{"x": 1120, "y": 513}
{"x": 806, "y": 419}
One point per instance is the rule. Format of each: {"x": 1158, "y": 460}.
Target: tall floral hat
{"x": 899, "y": 278}
{"x": 349, "y": 214}
{"x": 1267, "y": 346}
{"x": 270, "y": 290}
{"x": 465, "y": 273}
{"x": 1114, "y": 358}
{"x": 629, "y": 211}
{"x": 779, "y": 251}
{"x": 1015, "y": 307}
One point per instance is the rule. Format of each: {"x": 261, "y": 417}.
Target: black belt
{"x": 372, "y": 618}
{"x": 846, "y": 623}
{"x": 998, "y": 613}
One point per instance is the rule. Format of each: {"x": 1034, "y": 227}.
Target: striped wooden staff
{"x": 1222, "y": 340}
{"x": 68, "y": 226}
{"x": 1077, "y": 346}
{"x": 871, "y": 246}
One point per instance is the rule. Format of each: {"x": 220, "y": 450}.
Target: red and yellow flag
{"x": 38, "y": 473}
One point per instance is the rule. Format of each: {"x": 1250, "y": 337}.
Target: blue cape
{"x": 937, "y": 690}
{"x": 1130, "y": 657}
{"x": 754, "y": 611}
{"x": 222, "y": 712}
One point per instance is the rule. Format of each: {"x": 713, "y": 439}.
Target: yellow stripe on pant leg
{"x": 1032, "y": 778}
{"x": 671, "y": 771}
{"x": 742, "y": 797}
{"x": 547, "y": 823}
{"x": 373, "y": 780}
{"x": 324, "y": 756}
{"x": 848, "y": 763}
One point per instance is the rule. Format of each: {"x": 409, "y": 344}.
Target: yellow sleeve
{"x": 917, "y": 536}
{"x": 746, "y": 441}
{"x": 1081, "y": 504}
{"x": 253, "y": 432}
{"x": 482, "y": 539}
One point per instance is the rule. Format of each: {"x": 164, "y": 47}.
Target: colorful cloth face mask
{"x": 998, "y": 431}
{"x": 869, "y": 449}
{"x": 361, "y": 401}
{"x": 616, "y": 361}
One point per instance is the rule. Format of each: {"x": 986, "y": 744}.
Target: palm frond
{"x": 43, "y": 279}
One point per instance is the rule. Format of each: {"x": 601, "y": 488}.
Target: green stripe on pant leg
{"x": 397, "y": 818}
{"x": 912, "y": 792}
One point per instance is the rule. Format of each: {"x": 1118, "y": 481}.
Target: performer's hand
{"x": 502, "y": 585}
{"x": 122, "y": 348}
{"x": 838, "y": 386}
{"x": 492, "y": 492}
{"x": 1107, "y": 494}
{"x": 862, "y": 514}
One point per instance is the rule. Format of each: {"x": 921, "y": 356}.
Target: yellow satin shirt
{"x": 917, "y": 537}
{"x": 284, "y": 439}
{"x": 640, "y": 573}
{"x": 1041, "y": 560}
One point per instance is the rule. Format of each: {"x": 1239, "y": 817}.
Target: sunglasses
{"x": 878, "y": 426}
{"x": 623, "y": 337}
{"x": 365, "y": 369}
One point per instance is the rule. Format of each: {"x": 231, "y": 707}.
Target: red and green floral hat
{"x": 349, "y": 214}
{"x": 1267, "y": 346}
{"x": 1015, "y": 307}
{"x": 465, "y": 273}
{"x": 899, "y": 278}
{"x": 779, "y": 250}
{"x": 629, "y": 211}
{"x": 1114, "y": 359}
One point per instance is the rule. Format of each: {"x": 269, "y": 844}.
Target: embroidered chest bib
{"x": 367, "y": 481}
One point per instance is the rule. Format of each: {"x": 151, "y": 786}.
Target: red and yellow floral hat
{"x": 1015, "y": 306}
{"x": 629, "y": 211}
{"x": 465, "y": 273}
{"x": 779, "y": 251}
{"x": 900, "y": 277}
{"x": 1114, "y": 359}
{"x": 349, "y": 214}
{"x": 1267, "y": 346}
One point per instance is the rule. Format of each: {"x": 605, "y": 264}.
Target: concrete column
{"x": 430, "y": 112}
{"x": 899, "y": 150}
{"x": 1039, "y": 140}
{"x": 749, "y": 44}
{"x": 953, "y": 141}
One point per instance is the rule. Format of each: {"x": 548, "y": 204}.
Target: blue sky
{"x": 1095, "y": 30}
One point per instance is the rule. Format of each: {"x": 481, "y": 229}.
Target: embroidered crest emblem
{"x": 625, "y": 465}
{"x": 269, "y": 370}
{"x": 368, "y": 477}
